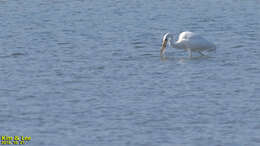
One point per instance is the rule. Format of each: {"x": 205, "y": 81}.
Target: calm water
{"x": 85, "y": 72}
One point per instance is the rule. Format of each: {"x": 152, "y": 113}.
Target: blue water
{"x": 86, "y": 72}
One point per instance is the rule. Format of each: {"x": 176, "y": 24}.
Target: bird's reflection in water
{"x": 182, "y": 59}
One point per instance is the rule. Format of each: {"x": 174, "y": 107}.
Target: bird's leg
{"x": 202, "y": 54}
{"x": 190, "y": 53}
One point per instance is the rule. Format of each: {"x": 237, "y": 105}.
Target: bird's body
{"x": 189, "y": 41}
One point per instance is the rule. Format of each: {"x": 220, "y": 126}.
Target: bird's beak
{"x": 164, "y": 43}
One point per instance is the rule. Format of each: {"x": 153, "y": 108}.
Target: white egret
{"x": 188, "y": 41}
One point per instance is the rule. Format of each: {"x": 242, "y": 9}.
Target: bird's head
{"x": 166, "y": 38}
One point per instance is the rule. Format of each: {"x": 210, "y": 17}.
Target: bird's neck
{"x": 174, "y": 44}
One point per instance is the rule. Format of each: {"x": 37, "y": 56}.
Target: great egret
{"x": 188, "y": 41}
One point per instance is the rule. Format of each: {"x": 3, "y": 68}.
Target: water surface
{"x": 86, "y": 72}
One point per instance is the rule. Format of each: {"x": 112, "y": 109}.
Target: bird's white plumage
{"x": 189, "y": 41}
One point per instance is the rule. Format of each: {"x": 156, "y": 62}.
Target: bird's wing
{"x": 197, "y": 42}
{"x": 190, "y": 40}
